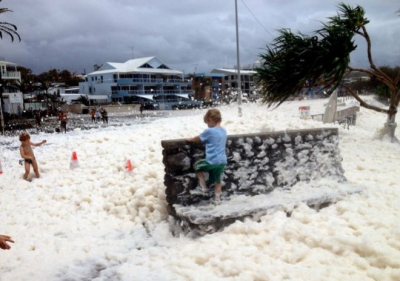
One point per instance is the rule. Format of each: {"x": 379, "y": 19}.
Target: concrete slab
{"x": 205, "y": 217}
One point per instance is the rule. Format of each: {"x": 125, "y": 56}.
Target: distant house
{"x": 231, "y": 79}
{"x": 207, "y": 86}
{"x": 12, "y": 97}
{"x": 143, "y": 80}
{"x": 70, "y": 95}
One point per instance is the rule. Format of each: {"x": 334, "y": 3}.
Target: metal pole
{"x": 1, "y": 115}
{"x": 1, "y": 103}
{"x": 238, "y": 64}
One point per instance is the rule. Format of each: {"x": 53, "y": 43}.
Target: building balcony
{"x": 151, "y": 93}
{"x": 11, "y": 75}
{"x": 147, "y": 81}
{"x": 132, "y": 81}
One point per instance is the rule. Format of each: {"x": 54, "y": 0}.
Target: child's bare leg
{"x": 218, "y": 191}
{"x": 27, "y": 170}
{"x": 202, "y": 180}
{"x": 36, "y": 168}
{"x": 36, "y": 172}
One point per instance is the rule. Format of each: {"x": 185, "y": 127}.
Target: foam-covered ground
{"x": 99, "y": 223}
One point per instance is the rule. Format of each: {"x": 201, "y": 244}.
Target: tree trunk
{"x": 389, "y": 128}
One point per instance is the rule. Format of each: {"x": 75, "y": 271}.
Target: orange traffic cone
{"x": 129, "y": 167}
{"x": 1, "y": 169}
{"x": 74, "y": 161}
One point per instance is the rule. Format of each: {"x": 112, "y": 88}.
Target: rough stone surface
{"x": 257, "y": 165}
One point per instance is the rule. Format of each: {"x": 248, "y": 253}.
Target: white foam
{"x": 97, "y": 221}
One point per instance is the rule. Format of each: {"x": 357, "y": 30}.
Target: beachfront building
{"x": 207, "y": 86}
{"x": 69, "y": 95}
{"x": 146, "y": 81}
{"x": 231, "y": 79}
{"x": 13, "y": 101}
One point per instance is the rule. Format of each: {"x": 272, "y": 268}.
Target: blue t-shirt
{"x": 215, "y": 139}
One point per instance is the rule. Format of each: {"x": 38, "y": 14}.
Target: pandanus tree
{"x": 10, "y": 30}
{"x": 84, "y": 100}
{"x": 297, "y": 61}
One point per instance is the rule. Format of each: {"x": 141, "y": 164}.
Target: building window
{"x": 163, "y": 67}
{"x": 146, "y": 65}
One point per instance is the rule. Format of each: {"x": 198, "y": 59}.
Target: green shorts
{"x": 214, "y": 171}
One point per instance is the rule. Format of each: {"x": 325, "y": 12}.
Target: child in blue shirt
{"x": 215, "y": 139}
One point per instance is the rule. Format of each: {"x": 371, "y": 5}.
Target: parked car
{"x": 150, "y": 106}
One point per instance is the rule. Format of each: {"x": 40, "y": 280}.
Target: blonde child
{"x": 27, "y": 154}
{"x": 215, "y": 139}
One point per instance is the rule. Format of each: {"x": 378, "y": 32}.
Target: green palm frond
{"x": 295, "y": 61}
{"x": 351, "y": 18}
{"x": 8, "y": 28}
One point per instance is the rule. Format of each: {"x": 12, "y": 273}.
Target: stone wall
{"x": 257, "y": 163}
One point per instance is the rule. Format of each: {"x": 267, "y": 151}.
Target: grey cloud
{"x": 77, "y": 34}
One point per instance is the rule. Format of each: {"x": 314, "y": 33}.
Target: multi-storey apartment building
{"x": 12, "y": 97}
{"x": 231, "y": 79}
{"x": 207, "y": 86}
{"x": 143, "y": 80}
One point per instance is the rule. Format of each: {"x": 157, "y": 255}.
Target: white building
{"x": 231, "y": 79}
{"x": 12, "y": 97}
{"x": 143, "y": 80}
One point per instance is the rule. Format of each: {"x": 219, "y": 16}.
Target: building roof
{"x": 206, "y": 74}
{"x": 232, "y": 71}
{"x": 140, "y": 65}
{"x": 97, "y": 97}
{"x": 2, "y": 62}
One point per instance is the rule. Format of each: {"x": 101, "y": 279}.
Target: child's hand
{"x": 44, "y": 141}
{"x": 3, "y": 242}
{"x": 195, "y": 139}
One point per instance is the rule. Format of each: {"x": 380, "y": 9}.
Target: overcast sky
{"x": 187, "y": 35}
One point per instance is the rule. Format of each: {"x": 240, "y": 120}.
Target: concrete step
{"x": 206, "y": 217}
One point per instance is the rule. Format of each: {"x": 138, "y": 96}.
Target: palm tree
{"x": 297, "y": 61}
{"x": 23, "y": 86}
{"x": 8, "y": 28}
{"x": 11, "y": 30}
{"x": 84, "y": 100}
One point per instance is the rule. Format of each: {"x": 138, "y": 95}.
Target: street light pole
{"x": 1, "y": 103}
{"x": 1, "y": 110}
{"x": 238, "y": 64}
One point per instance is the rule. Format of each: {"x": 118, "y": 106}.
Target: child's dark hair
{"x": 214, "y": 115}
{"x": 24, "y": 136}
